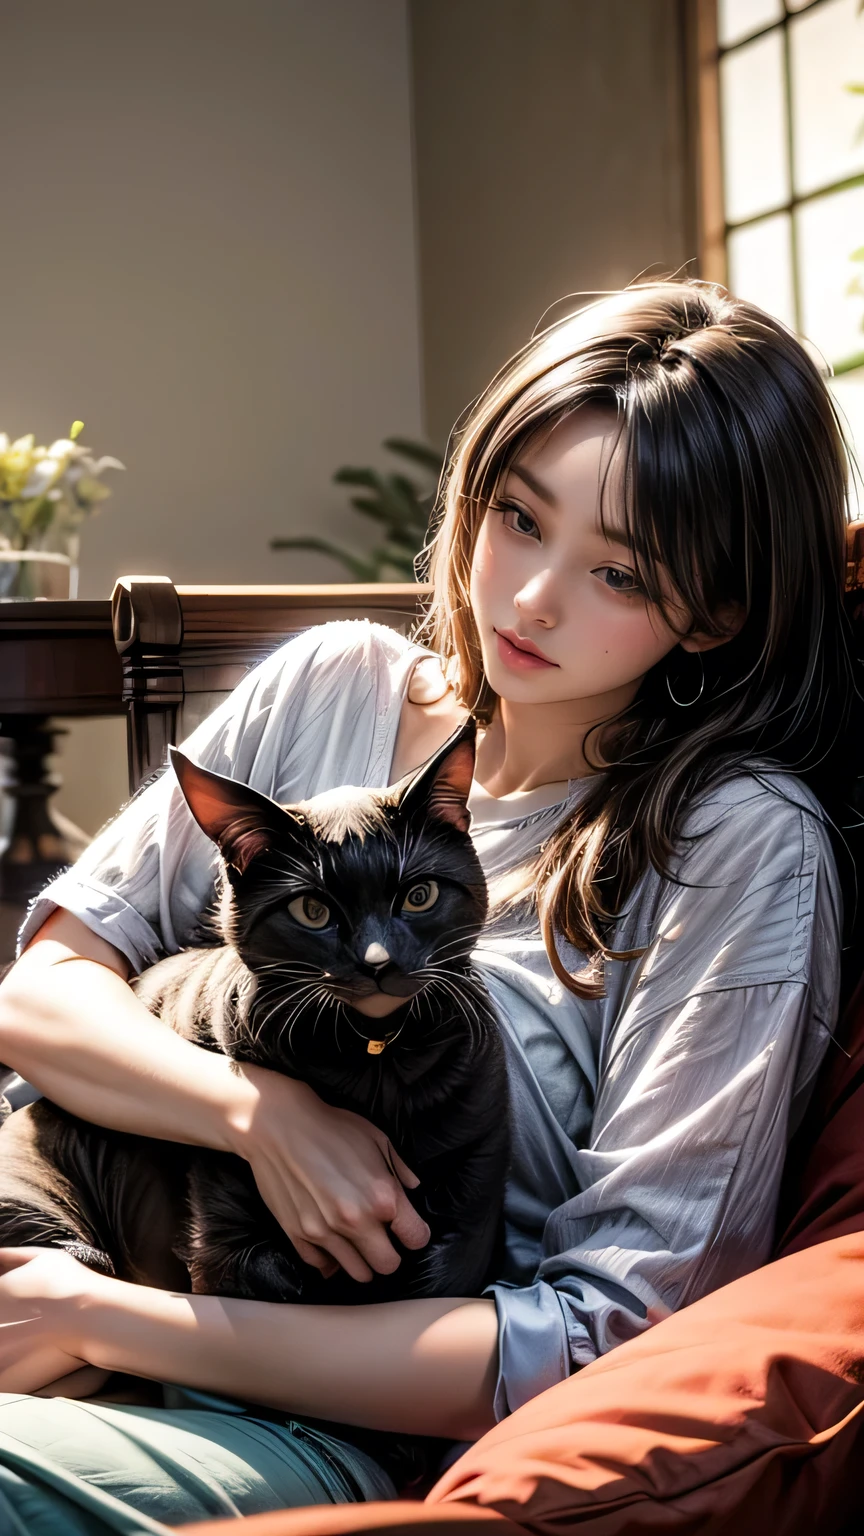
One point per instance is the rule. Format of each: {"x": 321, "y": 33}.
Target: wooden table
{"x": 157, "y": 654}
{"x": 56, "y": 658}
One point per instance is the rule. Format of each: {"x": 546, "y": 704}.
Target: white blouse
{"x": 649, "y": 1125}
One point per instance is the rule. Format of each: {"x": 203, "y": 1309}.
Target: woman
{"x": 638, "y": 592}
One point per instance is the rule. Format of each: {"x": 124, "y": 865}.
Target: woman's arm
{"x": 421, "y": 1367}
{"x": 71, "y": 1025}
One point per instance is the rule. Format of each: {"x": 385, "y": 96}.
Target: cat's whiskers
{"x": 294, "y": 1015}
{"x": 319, "y": 993}
{"x": 294, "y": 1019}
{"x": 312, "y": 994}
{"x": 339, "y": 1019}
{"x": 284, "y": 996}
{"x": 463, "y": 1002}
{"x": 283, "y": 862}
{"x": 289, "y": 968}
{"x": 439, "y": 971}
{"x": 322, "y": 1003}
{"x": 455, "y": 942}
{"x": 326, "y": 998}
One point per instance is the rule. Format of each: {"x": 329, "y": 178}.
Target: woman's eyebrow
{"x": 614, "y": 535}
{"x": 534, "y": 484}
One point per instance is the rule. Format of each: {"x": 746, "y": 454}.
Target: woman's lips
{"x": 519, "y": 660}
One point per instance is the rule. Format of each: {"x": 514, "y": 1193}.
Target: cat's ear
{"x": 442, "y": 786}
{"x": 242, "y": 822}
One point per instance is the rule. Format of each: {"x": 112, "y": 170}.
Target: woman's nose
{"x": 537, "y": 600}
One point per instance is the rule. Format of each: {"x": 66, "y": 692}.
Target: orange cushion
{"x": 747, "y": 1407}
{"x": 368, "y": 1519}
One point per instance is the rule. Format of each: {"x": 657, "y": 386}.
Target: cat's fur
{"x": 278, "y": 993}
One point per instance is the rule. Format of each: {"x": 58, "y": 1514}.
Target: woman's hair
{"x": 735, "y": 483}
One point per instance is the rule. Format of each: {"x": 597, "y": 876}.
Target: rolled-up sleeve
{"x": 315, "y": 714}
{"x": 710, "y": 1046}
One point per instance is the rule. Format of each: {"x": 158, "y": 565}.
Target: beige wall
{"x": 210, "y": 249}
{"x": 550, "y": 153}
{"x": 208, "y": 255}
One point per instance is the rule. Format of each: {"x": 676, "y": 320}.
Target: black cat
{"x": 347, "y": 924}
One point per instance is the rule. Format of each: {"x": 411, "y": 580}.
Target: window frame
{"x": 714, "y": 227}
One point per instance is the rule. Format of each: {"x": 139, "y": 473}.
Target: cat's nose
{"x": 376, "y": 955}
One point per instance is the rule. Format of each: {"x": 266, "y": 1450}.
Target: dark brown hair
{"x": 736, "y": 478}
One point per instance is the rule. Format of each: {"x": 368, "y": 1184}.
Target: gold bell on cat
{"x": 375, "y": 1047}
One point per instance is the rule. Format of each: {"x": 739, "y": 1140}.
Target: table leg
{"x": 33, "y": 848}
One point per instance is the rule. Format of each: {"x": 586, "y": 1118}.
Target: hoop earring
{"x": 688, "y": 703}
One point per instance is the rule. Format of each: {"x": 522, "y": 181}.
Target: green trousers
{"x": 81, "y": 1468}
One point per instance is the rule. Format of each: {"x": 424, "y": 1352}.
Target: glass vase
{"x": 48, "y": 567}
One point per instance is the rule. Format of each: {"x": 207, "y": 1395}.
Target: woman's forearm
{"x": 73, "y": 1027}
{"x": 423, "y": 1367}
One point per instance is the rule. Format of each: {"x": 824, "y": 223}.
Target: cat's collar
{"x": 375, "y": 1047}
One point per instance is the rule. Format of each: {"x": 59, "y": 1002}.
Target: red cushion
{"x": 747, "y": 1407}
{"x": 823, "y": 1194}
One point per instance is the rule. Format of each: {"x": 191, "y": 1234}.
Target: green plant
{"x": 396, "y": 503}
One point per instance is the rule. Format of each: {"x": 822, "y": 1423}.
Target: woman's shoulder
{"x": 350, "y": 641}
{"x": 350, "y": 661}
{"x": 758, "y": 823}
{"x": 322, "y": 709}
{"x": 751, "y": 794}
{"x": 365, "y": 680}
{"x": 751, "y": 892}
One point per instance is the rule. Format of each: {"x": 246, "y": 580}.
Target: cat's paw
{"x": 263, "y": 1275}
{"x": 91, "y": 1258}
{"x": 274, "y": 1276}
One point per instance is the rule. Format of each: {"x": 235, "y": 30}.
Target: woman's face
{"x": 544, "y": 572}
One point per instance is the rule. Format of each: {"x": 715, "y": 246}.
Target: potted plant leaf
{"x": 396, "y": 503}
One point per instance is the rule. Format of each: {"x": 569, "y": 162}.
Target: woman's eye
{"x": 520, "y": 521}
{"x": 309, "y": 912}
{"x": 421, "y": 897}
{"x": 618, "y": 580}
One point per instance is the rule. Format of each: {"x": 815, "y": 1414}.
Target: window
{"x": 789, "y": 84}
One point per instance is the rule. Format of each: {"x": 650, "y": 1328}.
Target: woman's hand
{"x": 331, "y": 1179}
{"x": 42, "y": 1291}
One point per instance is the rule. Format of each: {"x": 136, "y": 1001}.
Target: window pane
{"x": 827, "y": 54}
{"x": 848, "y": 391}
{"x": 830, "y": 229}
{"x": 741, "y": 18}
{"x": 753, "y": 96}
{"x": 760, "y": 266}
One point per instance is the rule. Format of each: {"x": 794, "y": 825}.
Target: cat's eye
{"x": 421, "y": 896}
{"x": 309, "y": 912}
